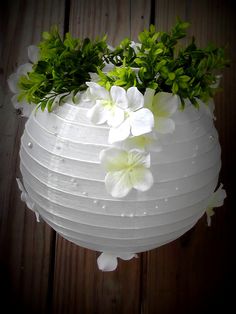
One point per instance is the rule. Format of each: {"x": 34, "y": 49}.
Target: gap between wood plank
{"x": 67, "y": 17}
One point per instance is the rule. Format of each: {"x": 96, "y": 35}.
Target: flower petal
{"x": 141, "y": 179}
{"x": 118, "y": 183}
{"x": 164, "y": 125}
{"x": 24, "y": 69}
{"x": 120, "y": 133}
{"x": 12, "y": 83}
{"x": 94, "y": 77}
{"x": 135, "y": 98}
{"x": 33, "y": 53}
{"x": 97, "y": 114}
{"x": 210, "y": 108}
{"x": 165, "y": 104}
{"x": 135, "y": 46}
{"x": 118, "y": 95}
{"x": 141, "y": 121}
{"x": 108, "y": 67}
{"x": 97, "y": 91}
{"x": 209, "y": 213}
{"x": 218, "y": 197}
{"x": 138, "y": 158}
{"x": 107, "y": 261}
{"x": 113, "y": 159}
{"x": 25, "y": 108}
{"x": 15, "y": 102}
{"x": 148, "y": 97}
{"x": 127, "y": 256}
{"x": 115, "y": 116}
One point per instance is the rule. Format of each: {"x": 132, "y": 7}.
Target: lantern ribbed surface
{"x": 63, "y": 177}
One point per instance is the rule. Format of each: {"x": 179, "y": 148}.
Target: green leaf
{"x": 171, "y": 76}
{"x": 175, "y": 88}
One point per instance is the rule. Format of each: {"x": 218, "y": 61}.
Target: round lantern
{"x": 65, "y": 181}
{"x": 124, "y": 156}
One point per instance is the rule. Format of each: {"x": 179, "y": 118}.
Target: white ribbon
{"x": 107, "y": 261}
{"x": 26, "y": 198}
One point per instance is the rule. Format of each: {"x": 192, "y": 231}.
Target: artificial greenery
{"x": 63, "y": 67}
{"x": 190, "y": 72}
{"x": 157, "y": 62}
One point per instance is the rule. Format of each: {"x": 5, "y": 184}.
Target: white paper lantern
{"x": 64, "y": 181}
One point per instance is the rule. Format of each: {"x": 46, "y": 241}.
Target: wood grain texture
{"x": 195, "y": 274}
{"x": 139, "y": 17}
{"x": 81, "y": 288}
{"x": 92, "y": 18}
{"x": 166, "y": 12}
{"x": 25, "y": 245}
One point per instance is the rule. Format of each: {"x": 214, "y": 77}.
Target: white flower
{"x": 216, "y": 200}
{"x": 138, "y": 120}
{"x": 126, "y": 170}
{"x": 163, "y": 105}
{"x": 135, "y": 46}
{"x": 109, "y": 106}
{"x": 123, "y": 111}
{"x": 13, "y": 79}
{"x": 108, "y": 261}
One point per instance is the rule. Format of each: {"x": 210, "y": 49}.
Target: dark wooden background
{"x": 43, "y": 273}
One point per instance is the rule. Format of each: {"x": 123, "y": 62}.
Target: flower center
{"x": 108, "y": 104}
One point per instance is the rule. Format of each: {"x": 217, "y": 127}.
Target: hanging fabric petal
{"x": 216, "y": 200}
{"x": 108, "y": 261}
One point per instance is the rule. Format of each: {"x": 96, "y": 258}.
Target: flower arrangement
{"x": 135, "y": 91}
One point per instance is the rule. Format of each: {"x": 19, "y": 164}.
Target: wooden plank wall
{"x": 43, "y": 273}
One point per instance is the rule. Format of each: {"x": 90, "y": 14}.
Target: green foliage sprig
{"x": 63, "y": 67}
{"x": 161, "y": 64}
{"x": 157, "y": 62}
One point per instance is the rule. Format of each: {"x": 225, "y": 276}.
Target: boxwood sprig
{"x": 161, "y": 64}
{"x": 157, "y": 61}
{"x": 63, "y": 67}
